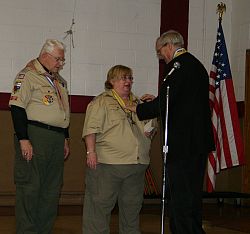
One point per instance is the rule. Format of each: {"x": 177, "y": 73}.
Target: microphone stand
{"x": 176, "y": 65}
{"x": 165, "y": 152}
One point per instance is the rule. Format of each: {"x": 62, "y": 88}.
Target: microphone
{"x": 176, "y": 66}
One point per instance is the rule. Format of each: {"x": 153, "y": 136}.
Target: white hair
{"x": 171, "y": 37}
{"x": 51, "y": 44}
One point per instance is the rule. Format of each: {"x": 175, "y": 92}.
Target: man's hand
{"x": 144, "y": 98}
{"x": 26, "y": 149}
{"x": 147, "y": 97}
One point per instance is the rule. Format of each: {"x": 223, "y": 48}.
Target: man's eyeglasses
{"x": 158, "y": 51}
{"x": 57, "y": 59}
{"x": 124, "y": 78}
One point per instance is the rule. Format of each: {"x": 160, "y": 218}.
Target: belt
{"x": 46, "y": 126}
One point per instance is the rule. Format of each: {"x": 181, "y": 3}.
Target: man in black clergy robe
{"x": 190, "y": 136}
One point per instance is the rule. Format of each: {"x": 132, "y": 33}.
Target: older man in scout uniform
{"x": 40, "y": 112}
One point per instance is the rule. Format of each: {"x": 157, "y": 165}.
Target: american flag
{"x": 226, "y": 128}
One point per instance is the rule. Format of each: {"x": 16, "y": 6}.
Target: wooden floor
{"x": 223, "y": 219}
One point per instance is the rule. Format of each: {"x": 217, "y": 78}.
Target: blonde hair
{"x": 115, "y": 73}
{"x": 51, "y": 44}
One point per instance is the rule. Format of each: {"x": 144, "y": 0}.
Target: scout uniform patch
{"x": 21, "y": 76}
{"x": 17, "y": 86}
{"x": 48, "y": 99}
{"x": 18, "y": 82}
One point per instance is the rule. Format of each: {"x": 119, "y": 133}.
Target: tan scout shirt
{"x": 33, "y": 92}
{"x": 118, "y": 141}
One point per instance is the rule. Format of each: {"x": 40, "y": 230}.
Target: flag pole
{"x": 229, "y": 150}
{"x": 212, "y": 160}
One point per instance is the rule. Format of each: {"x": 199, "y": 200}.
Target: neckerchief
{"x": 120, "y": 100}
{"x": 55, "y": 83}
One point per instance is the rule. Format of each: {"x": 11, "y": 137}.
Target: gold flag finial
{"x": 221, "y": 8}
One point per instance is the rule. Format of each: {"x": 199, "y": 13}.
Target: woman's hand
{"x": 92, "y": 160}
{"x": 151, "y": 134}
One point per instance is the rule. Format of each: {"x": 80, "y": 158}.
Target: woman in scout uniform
{"x": 117, "y": 156}
{"x": 40, "y": 112}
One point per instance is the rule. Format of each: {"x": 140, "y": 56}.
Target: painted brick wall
{"x": 203, "y": 23}
{"x": 106, "y": 32}
{"x": 109, "y": 32}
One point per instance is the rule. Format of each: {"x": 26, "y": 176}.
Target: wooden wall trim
{"x": 79, "y": 103}
{"x": 4, "y": 100}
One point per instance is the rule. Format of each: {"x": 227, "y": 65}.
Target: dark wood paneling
{"x": 174, "y": 15}
{"x": 246, "y": 126}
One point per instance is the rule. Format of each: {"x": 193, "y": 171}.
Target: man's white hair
{"x": 51, "y": 44}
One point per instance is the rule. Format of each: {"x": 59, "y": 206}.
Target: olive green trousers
{"x": 107, "y": 185}
{"x": 38, "y": 182}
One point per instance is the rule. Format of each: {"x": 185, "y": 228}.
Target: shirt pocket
{"x": 115, "y": 114}
{"x": 47, "y": 95}
{"x": 47, "y": 89}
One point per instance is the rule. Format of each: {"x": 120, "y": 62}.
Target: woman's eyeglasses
{"x": 124, "y": 78}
